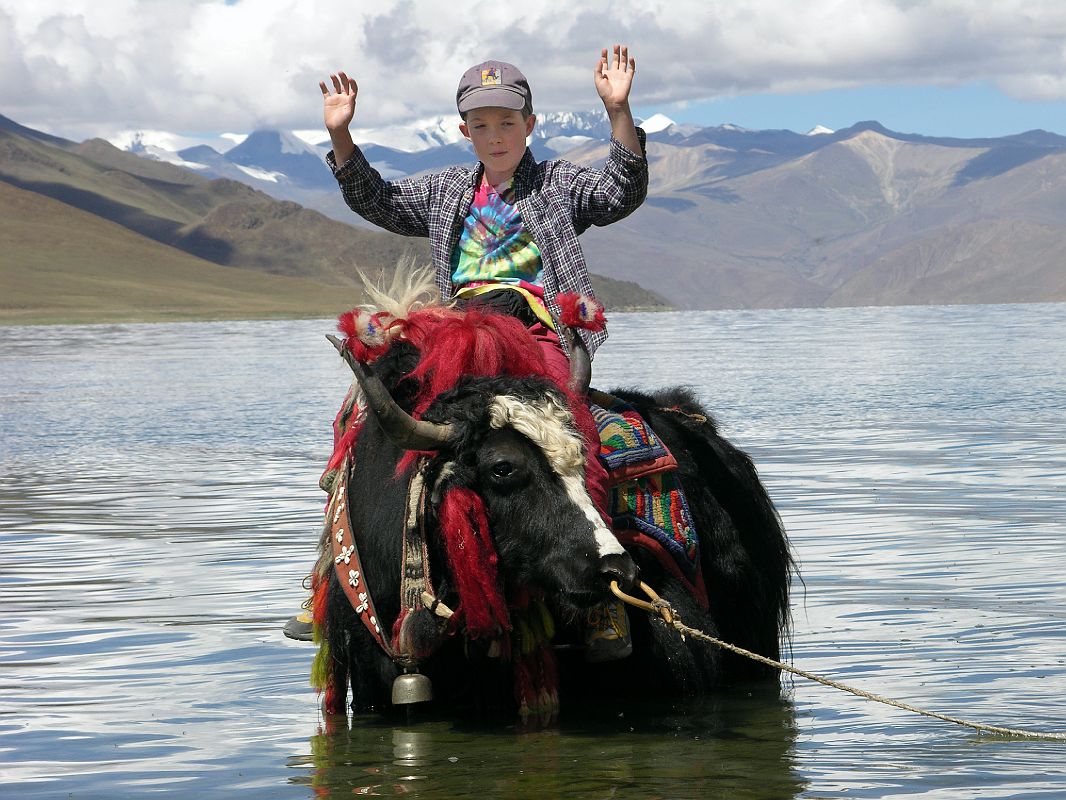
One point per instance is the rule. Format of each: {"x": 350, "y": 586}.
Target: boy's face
{"x": 499, "y": 139}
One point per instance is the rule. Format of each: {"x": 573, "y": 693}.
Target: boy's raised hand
{"x": 614, "y": 76}
{"x": 338, "y": 108}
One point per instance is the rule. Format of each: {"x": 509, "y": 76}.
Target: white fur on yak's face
{"x": 547, "y": 423}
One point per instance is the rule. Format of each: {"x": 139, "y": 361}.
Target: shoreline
{"x": 52, "y": 318}
{"x": 63, "y": 317}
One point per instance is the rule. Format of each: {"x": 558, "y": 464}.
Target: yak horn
{"x": 580, "y": 363}
{"x": 403, "y": 429}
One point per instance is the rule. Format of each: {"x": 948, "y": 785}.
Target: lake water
{"x": 159, "y": 506}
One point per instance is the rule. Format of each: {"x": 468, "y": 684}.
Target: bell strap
{"x": 415, "y": 578}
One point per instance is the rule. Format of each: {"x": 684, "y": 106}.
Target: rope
{"x": 666, "y": 612}
{"x": 700, "y": 418}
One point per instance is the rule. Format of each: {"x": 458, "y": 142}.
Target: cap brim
{"x": 492, "y": 97}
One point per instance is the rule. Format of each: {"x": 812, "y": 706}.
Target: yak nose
{"x": 620, "y": 567}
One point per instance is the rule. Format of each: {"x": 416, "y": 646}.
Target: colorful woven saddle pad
{"x": 646, "y": 501}
{"x": 628, "y": 446}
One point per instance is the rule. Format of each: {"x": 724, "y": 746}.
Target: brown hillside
{"x": 868, "y": 220}
{"x": 222, "y": 221}
{"x": 59, "y": 264}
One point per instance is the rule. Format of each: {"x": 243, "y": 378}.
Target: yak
{"x": 513, "y": 549}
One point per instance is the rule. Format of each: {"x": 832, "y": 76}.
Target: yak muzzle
{"x": 620, "y": 567}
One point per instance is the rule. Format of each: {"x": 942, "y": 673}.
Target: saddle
{"x": 646, "y": 501}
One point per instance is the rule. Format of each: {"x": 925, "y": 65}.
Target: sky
{"x": 968, "y": 68}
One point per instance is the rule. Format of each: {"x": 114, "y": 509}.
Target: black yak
{"x": 507, "y": 542}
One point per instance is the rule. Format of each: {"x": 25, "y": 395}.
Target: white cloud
{"x": 86, "y": 67}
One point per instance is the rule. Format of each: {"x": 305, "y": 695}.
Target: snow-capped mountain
{"x": 275, "y": 155}
{"x": 290, "y": 165}
{"x": 443, "y": 131}
{"x": 163, "y": 145}
{"x": 287, "y": 164}
{"x": 656, "y": 123}
{"x": 411, "y": 137}
{"x": 776, "y": 207}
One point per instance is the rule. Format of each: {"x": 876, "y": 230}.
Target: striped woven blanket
{"x": 646, "y": 501}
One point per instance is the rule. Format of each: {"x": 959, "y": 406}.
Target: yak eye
{"x": 502, "y": 470}
{"x": 503, "y": 464}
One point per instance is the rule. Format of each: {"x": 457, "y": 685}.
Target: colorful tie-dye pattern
{"x": 494, "y": 245}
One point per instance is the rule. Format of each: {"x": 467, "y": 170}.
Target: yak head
{"x": 509, "y": 445}
{"x": 515, "y": 445}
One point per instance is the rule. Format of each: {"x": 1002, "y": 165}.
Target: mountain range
{"x": 764, "y": 218}
{"x": 94, "y": 233}
{"x": 735, "y": 218}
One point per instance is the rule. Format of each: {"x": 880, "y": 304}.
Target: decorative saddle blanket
{"x": 646, "y": 501}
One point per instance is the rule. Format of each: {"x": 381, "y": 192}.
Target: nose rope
{"x": 657, "y": 606}
{"x": 662, "y": 609}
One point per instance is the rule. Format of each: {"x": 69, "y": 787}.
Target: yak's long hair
{"x": 408, "y": 289}
{"x": 450, "y": 343}
{"x": 471, "y": 343}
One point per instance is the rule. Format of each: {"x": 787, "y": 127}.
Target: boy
{"x": 520, "y": 219}
{"x": 504, "y": 234}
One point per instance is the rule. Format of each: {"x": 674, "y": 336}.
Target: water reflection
{"x": 728, "y": 746}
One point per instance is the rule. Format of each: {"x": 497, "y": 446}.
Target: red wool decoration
{"x": 472, "y": 559}
{"x": 342, "y": 446}
{"x": 336, "y": 695}
{"x": 367, "y": 335}
{"x": 455, "y": 344}
{"x": 319, "y": 597}
{"x": 581, "y": 311}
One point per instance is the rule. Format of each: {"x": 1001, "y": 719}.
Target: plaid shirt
{"x": 557, "y": 200}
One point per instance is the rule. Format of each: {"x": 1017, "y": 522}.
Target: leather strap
{"x": 415, "y": 582}
{"x": 350, "y": 571}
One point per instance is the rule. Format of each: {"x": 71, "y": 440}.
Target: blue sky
{"x": 970, "y": 111}
{"x": 966, "y": 68}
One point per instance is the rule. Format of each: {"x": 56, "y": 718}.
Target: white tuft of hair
{"x": 408, "y": 289}
{"x": 548, "y": 424}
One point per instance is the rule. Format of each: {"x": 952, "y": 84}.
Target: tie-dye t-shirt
{"x": 495, "y": 246}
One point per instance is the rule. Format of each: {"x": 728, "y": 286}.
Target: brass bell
{"x": 411, "y": 687}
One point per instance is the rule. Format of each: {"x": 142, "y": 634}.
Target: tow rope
{"x": 664, "y": 611}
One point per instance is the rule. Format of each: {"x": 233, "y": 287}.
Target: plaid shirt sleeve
{"x": 600, "y": 197}
{"x": 399, "y": 206}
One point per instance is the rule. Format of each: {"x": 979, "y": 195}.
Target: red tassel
{"x": 581, "y": 311}
{"x": 336, "y": 694}
{"x": 319, "y": 598}
{"x": 409, "y": 460}
{"x": 472, "y": 559}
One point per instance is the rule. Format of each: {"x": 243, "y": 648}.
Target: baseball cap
{"x": 493, "y": 83}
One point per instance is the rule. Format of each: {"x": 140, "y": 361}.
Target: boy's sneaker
{"x": 301, "y": 627}
{"x": 607, "y": 632}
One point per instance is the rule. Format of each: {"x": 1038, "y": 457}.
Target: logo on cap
{"x": 491, "y": 76}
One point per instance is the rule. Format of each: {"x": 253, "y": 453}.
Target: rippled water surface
{"x": 159, "y": 505}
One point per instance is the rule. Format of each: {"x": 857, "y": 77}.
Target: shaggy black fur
{"x": 540, "y": 542}
{"x": 745, "y": 558}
